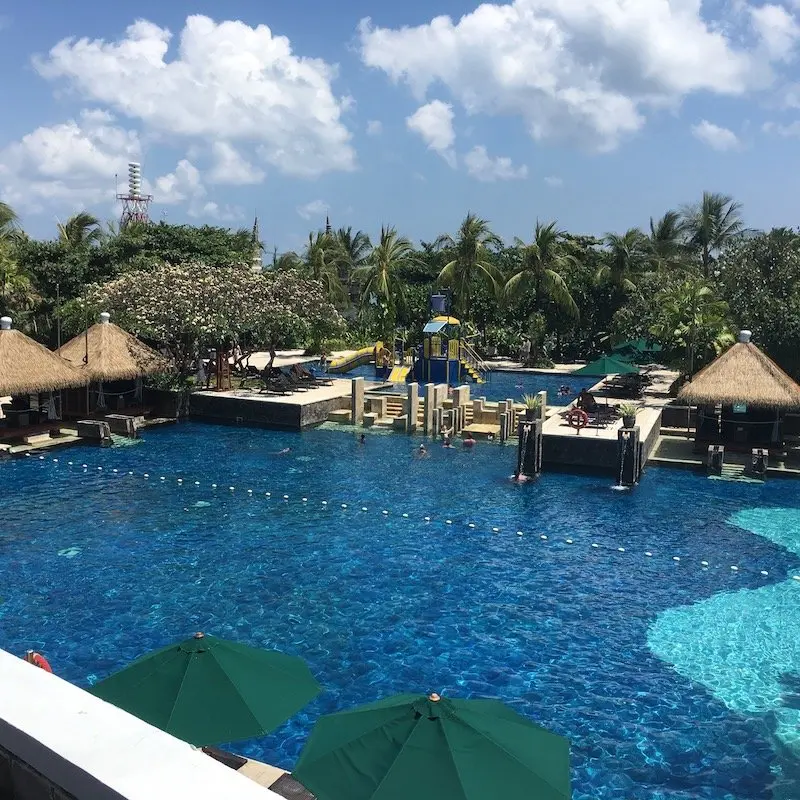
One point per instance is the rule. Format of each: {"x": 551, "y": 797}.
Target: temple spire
{"x": 328, "y": 229}
{"x": 255, "y": 241}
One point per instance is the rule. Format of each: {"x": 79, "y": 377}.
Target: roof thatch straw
{"x": 27, "y": 366}
{"x": 742, "y": 374}
{"x": 114, "y": 355}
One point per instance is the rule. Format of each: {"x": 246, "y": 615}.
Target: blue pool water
{"x": 511, "y": 385}
{"x": 100, "y": 566}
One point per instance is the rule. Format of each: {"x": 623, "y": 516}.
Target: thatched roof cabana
{"x": 114, "y": 355}
{"x": 27, "y": 366}
{"x": 742, "y": 375}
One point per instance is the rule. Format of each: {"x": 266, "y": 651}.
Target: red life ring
{"x": 577, "y": 418}
{"x": 38, "y": 660}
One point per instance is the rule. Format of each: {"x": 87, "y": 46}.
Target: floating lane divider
{"x": 705, "y": 565}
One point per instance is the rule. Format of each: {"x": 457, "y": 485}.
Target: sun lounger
{"x": 228, "y": 759}
{"x": 286, "y": 786}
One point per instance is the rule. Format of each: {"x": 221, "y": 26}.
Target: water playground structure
{"x": 445, "y": 355}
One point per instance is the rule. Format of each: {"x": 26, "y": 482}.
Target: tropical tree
{"x": 710, "y": 225}
{"x": 322, "y": 259}
{"x": 626, "y": 256}
{"x": 538, "y": 271}
{"x": 8, "y": 220}
{"x": 693, "y": 319}
{"x": 355, "y": 247}
{"x": 665, "y": 242}
{"x": 80, "y": 230}
{"x": 17, "y": 294}
{"x": 380, "y": 279}
{"x": 469, "y": 255}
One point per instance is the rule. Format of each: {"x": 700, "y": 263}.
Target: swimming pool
{"x": 99, "y": 566}
{"x": 510, "y": 385}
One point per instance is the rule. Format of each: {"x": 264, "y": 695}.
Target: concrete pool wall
{"x": 58, "y": 742}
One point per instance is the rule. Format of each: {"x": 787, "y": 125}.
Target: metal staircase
{"x": 472, "y": 363}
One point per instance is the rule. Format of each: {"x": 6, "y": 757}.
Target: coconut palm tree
{"x": 538, "y": 270}
{"x": 17, "y": 294}
{"x": 380, "y": 280}
{"x": 79, "y": 230}
{"x": 710, "y": 225}
{"x": 626, "y": 256}
{"x": 322, "y": 257}
{"x": 666, "y": 241}
{"x": 469, "y": 260}
{"x": 694, "y": 319}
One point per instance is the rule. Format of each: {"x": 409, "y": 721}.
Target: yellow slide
{"x": 399, "y": 374}
{"x": 357, "y": 359}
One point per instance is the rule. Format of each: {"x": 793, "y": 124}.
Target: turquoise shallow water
{"x": 99, "y": 566}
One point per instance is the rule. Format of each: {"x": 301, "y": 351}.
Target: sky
{"x": 596, "y": 113}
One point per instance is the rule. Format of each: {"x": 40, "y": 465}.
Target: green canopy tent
{"x": 607, "y": 365}
{"x": 636, "y": 349}
{"x": 433, "y": 748}
{"x": 207, "y": 690}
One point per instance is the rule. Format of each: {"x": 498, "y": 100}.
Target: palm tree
{"x": 322, "y": 258}
{"x": 17, "y": 294}
{"x": 666, "y": 241}
{"x": 380, "y": 281}
{"x": 8, "y": 219}
{"x": 627, "y": 254}
{"x": 469, "y": 260}
{"x": 79, "y": 230}
{"x": 693, "y": 318}
{"x": 710, "y": 225}
{"x": 287, "y": 260}
{"x": 539, "y": 266}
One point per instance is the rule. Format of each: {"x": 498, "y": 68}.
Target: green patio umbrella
{"x": 207, "y": 690}
{"x": 433, "y": 748}
{"x": 607, "y": 365}
{"x": 637, "y": 347}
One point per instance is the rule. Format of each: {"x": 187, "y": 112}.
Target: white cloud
{"x": 554, "y": 181}
{"x": 777, "y": 29}
{"x": 183, "y": 184}
{"x": 434, "y": 123}
{"x": 316, "y": 208}
{"x": 485, "y": 168}
{"x": 582, "y": 69}
{"x": 716, "y": 137}
{"x": 227, "y": 81}
{"x": 231, "y": 168}
{"x": 792, "y": 129}
{"x": 71, "y": 164}
{"x": 374, "y": 127}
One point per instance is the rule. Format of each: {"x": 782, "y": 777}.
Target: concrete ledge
{"x": 94, "y": 430}
{"x": 342, "y": 416}
{"x": 91, "y": 749}
{"x": 370, "y": 419}
{"x": 400, "y": 423}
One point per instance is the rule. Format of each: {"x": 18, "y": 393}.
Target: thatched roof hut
{"x": 114, "y": 355}
{"x": 27, "y": 366}
{"x": 742, "y": 375}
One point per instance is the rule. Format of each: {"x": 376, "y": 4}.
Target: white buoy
{"x": 385, "y": 513}
{"x": 286, "y": 497}
{"x": 100, "y": 469}
{"x": 180, "y": 480}
{"x": 594, "y": 544}
{"x": 304, "y": 499}
{"x": 704, "y": 563}
{"x": 213, "y": 485}
{"x": 267, "y": 494}
{"x": 363, "y": 508}
{"x": 344, "y": 505}
{"x": 676, "y": 558}
{"x": 249, "y": 491}
{"x": 496, "y": 530}
{"x": 543, "y": 537}
{"x": 446, "y": 522}
{"x": 519, "y": 533}
{"x": 130, "y": 473}
{"x": 41, "y": 458}
{"x": 648, "y": 554}
{"x": 115, "y": 470}
{"x": 796, "y": 577}
{"x": 735, "y": 569}
{"x": 621, "y": 549}
{"x": 427, "y": 519}
{"x": 162, "y": 478}
{"x": 69, "y": 463}
{"x": 568, "y": 541}
{"x": 764, "y": 573}
{"x": 197, "y": 483}
{"x": 231, "y": 488}
{"x": 324, "y": 502}
{"x": 56, "y": 461}
{"x": 83, "y": 465}
{"x": 405, "y": 516}
{"x": 471, "y": 525}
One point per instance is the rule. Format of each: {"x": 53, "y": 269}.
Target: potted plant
{"x": 629, "y": 412}
{"x": 533, "y": 405}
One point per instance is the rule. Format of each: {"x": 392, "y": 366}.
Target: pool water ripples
{"x": 379, "y": 604}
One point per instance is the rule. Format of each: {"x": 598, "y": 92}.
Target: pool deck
{"x": 298, "y": 410}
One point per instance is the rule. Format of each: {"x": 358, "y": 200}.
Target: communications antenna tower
{"x": 135, "y": 205}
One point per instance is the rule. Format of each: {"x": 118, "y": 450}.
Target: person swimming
{"x": 447, "y": 442}
{"x": 284, "y": 451}
{"x": 564, "y": 390}
{"x": 519, "y": 477}
{"x": 468, "y": 440}
{"x": 362, "y": 439}
{"x": 422, "y": 451}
